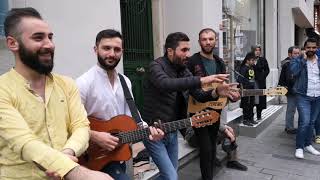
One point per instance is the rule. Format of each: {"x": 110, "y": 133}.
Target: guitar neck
{"x": 252, "y": 92}
{"x": 141, "y": 134}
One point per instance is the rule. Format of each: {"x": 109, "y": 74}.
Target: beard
{"x": 32, "y": 60}
{"x": 179, "y": 64}
{"x": 207, "y": 50}
{"x": 310, "y": 53}
{"x": 106, "y": 66}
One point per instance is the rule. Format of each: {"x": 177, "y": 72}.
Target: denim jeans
{"x": 165, "y": 155}
{"x": 116, "y": 170}
{"x": 317, "y": 126}
{"x": 308, "y": 109}
{"x": 291, "y": 110}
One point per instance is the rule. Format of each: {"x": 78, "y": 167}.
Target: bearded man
{"x": 306, "y": 71}
{"x": 166, "y": 90}
{"x": 43, "y": 125}
{"x": 103, "y": 97}
{"x": 204, "y": 64}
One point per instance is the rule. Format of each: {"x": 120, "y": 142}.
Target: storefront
{"x": 242, "y": 27}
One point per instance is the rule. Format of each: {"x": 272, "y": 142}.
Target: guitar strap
{"x": 130, "y": 101}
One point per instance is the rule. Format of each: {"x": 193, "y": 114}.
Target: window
{"x": 3, "y": 10}
{"x": 243, "y": 27}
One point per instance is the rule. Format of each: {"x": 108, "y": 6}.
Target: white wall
{"x": 271, "y": 41}
{"x": 190, "y": 17}
{"x": 75, "y": 25}
{"x": 185, "y": 16}
{"x": 286, "y": 28}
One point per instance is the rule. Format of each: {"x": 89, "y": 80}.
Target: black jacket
{"x": 165, "y": 91}
{"x": 196, "y": 67}
{"x": 286, "y": 77}
{"x": 261, "y": 72}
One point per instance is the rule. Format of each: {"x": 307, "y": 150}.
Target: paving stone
{"x": 270, "y": 156}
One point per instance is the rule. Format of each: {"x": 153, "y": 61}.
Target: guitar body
{"x": 195, "y": 106}
{"x": 126, "y": 129}
{"x": 95, "y": 158}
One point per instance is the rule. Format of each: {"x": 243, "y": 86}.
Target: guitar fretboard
{"x": 252, "y": 92}
{"x": 140, "y": 134}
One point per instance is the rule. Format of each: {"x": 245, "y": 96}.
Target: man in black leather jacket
{"x": 165, "y": 92}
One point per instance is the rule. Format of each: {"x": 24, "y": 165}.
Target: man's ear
{"x": 12, "y": 43}
{"x": 170, "y": 51}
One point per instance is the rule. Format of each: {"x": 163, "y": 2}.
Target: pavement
{"x": 269, "y": 156}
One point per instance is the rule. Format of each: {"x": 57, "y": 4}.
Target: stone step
{"x": 268, "y": 115}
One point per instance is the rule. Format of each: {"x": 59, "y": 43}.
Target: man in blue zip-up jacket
{"x": 307, "y": 89}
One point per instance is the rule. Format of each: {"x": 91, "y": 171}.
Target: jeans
{"x": 116, "y": 170}
{"x": 317, "y": 126}
{"x": 308, "y": 109}
{"x": 291, "y": 110}
{"x": 165, "y": 155}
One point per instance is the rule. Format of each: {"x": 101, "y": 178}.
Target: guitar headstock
{"x": 277, "y": 91}
{"x": 204, "y": 118}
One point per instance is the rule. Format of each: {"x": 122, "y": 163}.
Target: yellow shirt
{"x": 32, "y": 130}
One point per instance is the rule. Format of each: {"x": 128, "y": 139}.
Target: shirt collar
{"x": 313, "y": 62}
{"x": 21, "y": 80}
{"x": 103, "y": 72}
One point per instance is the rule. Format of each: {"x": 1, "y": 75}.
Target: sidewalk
{"x": 270, "y": 156}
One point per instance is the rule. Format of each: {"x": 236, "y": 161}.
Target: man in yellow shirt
{"x": 43, "y": 125}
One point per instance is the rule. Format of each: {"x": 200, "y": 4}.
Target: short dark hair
{"x": 14, "y": 17}
{"x": 290, "y": 49}
{"x": 173, "y": 39}
{"x": 249, "y": 55}
{"x": 311, "y": 40}
{"x": 107, "y": 33}
{"x": 206, "y": 30}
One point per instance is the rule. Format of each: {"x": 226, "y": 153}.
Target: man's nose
{"x": 188, "y": 54}
{"x": 49, "y": 43}
{"x": 112, "y": 53}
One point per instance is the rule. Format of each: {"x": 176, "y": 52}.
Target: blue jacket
{"x": 298, "y": 66}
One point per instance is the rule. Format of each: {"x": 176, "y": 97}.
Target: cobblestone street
{"x": 270, "y": 156}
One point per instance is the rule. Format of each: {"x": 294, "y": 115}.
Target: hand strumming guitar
{"x": 105, "y": 140}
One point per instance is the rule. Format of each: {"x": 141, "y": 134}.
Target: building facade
{"x": 274, "y": 24}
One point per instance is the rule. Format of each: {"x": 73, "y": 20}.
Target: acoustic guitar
{"x": 126, "y": 129}
{"x": 195, "y": 106}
